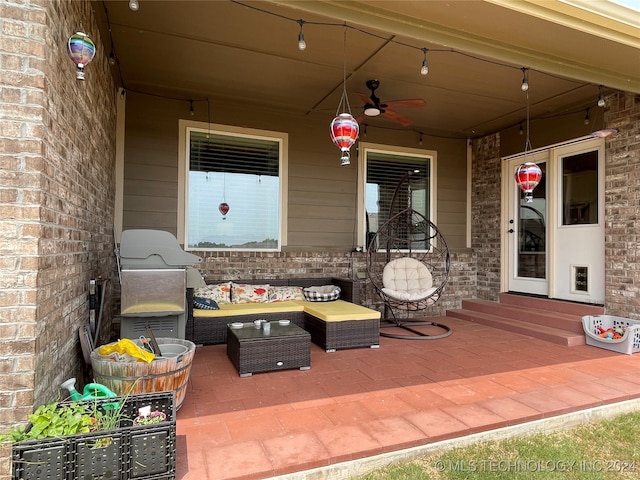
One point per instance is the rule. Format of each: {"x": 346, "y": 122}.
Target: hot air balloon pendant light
{"x": 344, "y": 129}
{"x": 81, "y": 50}
{"x": 528, "y": 175}
{"x": 223, "y": 208}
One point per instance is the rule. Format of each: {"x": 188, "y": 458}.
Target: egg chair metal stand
{"x": 408, "y": 264}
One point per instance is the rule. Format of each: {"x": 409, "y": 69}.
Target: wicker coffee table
{"x": 253, "y": 349}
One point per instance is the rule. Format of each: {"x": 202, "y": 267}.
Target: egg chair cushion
{"x": 407, "y": 280}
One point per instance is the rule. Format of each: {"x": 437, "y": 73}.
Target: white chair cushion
{"x": 407, "y": 274}
{"x": 406, "y": 296}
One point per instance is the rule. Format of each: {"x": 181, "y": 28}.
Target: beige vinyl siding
{"x": 321, "y": 193}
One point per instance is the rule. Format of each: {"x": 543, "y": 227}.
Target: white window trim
{"x": 363, "y": 149}
{"x": 183, "y": 143}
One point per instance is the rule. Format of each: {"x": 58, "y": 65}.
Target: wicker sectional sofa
{"x": 333, "y": 325}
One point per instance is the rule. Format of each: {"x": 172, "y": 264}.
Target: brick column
{"x": 57, "y": 198}
{"x": 622, "y": 204}
{"x": 485, "y": 214}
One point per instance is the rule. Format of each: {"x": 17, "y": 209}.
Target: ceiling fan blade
{"x": 409, "y": 102}
{"x": 395, "y": 116}
{"x": 365, "y": 98}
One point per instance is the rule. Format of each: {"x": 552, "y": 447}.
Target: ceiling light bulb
{"x": 134, "y": 5}
{"x": 525, "y": 80}
{"x": 586, "y": 118}
{"x": 601, "y": 101}
{"x": 301, "y": 43}
{"x": 112, "y": 59}
{"x": 425, "y": 65}
{"x": 191, "y": 111}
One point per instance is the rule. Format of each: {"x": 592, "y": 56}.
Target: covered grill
{"x": 155, "y": 274}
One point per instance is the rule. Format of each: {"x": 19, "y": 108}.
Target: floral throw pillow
{"x": 282, "y": 294}
{"x": 247, "y": 293}
{"x": 220, "y": 293}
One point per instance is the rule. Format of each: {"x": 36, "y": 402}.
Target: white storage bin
{"x": 630, "y": 341}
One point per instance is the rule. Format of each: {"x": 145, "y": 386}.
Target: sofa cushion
{"x": 229, "y": 310}
{"x": 339, "y": 311}
{"x": 282, "y": 294}
{"x": 249, "y": 293}
{"x": 219, "y": 292}
{"x": 323, "y": 293}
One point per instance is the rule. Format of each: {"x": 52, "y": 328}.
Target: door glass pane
{"x": 532, "y": 221}
{"x": 580, "y": 189}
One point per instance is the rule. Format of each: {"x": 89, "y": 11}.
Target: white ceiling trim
{"x": 600, "y": 18}
{"x": 368, "y": 15}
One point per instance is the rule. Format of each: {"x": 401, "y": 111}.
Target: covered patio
{"x": 360, "y": 408}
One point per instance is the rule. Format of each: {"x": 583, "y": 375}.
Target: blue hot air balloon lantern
{"x": 81, "y": 50}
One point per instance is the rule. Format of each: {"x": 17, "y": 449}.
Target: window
{"x": 233, "y": 189}
{"x": 580, "y": 188}
{"x": 384, "y": 168}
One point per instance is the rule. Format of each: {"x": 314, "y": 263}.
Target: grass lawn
{"x": 609, "y": 449}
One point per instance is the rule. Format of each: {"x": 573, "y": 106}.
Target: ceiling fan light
{"x": 371, "y": 111}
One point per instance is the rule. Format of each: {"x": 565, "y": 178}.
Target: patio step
{"x": 550, "y": 320}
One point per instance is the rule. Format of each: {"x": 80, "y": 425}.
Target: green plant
{"x": 54, "y": 420}
{"x": 57, "y": 419}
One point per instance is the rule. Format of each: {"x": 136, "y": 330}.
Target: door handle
{"x": 511, "y": 230}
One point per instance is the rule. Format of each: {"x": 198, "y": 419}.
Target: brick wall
{"x": 56, "y": 195}
{"x": 622, "y": 204}
{"x": 485, "y": 214}
{"x": 264, "y": 265}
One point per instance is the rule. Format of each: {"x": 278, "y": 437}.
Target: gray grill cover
{"x": 153, "y": 249}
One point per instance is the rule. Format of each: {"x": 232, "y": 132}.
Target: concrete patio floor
{"x": 357, "y": 404}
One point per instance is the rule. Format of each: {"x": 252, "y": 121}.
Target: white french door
{"x": 554, "y": 245}
{"x": 527, "y": 231}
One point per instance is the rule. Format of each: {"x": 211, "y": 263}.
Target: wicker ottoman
{"x": 339, "y": 324}
{"x": 253, "y": 350}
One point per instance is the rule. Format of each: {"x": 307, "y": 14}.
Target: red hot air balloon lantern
{"x": 224, "y": 209}
{"x": 81, "y": 50}
{"x": 344, "y": 133}
{"x": 527, "y": 177}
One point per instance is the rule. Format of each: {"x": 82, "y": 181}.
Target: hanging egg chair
{"x": 408, "y": 264}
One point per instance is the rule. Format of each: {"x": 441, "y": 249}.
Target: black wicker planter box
{"x": 128, "y": 452}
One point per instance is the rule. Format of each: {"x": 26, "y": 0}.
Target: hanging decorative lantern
{"x": 81, "y": 50}
{"x": 224, "y": 209}
{"x": 344, "y": 133}
{"x": 527, "y": 177}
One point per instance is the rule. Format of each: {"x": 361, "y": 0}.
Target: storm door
{"x": 554, "y": 245}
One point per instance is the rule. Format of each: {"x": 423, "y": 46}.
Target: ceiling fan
{"x": 374, "y": 107}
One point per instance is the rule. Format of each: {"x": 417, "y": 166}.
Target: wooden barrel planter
{"x": 167, "y": 373}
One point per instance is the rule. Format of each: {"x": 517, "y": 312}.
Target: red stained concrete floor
{"x": 358, "y": 403}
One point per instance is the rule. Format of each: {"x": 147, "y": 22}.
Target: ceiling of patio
{"x": 246, "y": 52}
